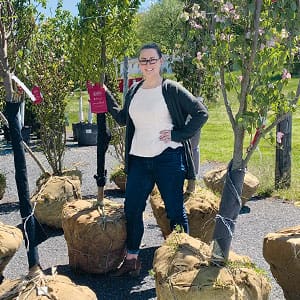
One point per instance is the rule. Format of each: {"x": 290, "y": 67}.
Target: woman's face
{"x": 150, "y": 63}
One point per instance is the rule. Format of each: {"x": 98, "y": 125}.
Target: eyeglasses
{"x": 151, "y": 61}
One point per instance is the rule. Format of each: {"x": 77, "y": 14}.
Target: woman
{"x": 157, "y": 148}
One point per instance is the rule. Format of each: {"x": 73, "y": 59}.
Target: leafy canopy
{"x": 258, "y": 39}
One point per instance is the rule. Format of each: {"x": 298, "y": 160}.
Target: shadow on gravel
{"x": 7, "y": 208}
{"x": 245, "y": 210}
{"x": 50, "y": 231}
{"x": 114, "y": 193}
{"x": 120, "y": 288}
{"x": 69, "y": 145}
{"x": 5, "y": 150}
{"x": 108, "y": 193}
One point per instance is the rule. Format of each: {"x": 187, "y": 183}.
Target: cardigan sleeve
{"x": 119, "y": 114}
{"x": 187, "y": 105}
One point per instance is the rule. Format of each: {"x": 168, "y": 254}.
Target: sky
{"x": 71, "y": 5}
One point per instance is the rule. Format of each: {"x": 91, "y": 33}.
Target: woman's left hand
{"x": 165, "y": 136}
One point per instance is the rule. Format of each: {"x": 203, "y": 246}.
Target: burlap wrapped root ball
{"x": 201, "y": 209}
{"x": 51, "y": 197}
{"x": 96, "y": 244}
{"x": 214, "y": 180}
{"x": 182, "y": 271}
{"x": 281, "y": 250}
{"x": 56, "y": 287}
{"x": 10, "y": 241}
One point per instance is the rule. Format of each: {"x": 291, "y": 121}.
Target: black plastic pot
{"x": 87, "y": 134}
{"x": 75, "y": 127}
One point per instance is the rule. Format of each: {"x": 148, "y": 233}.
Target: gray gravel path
{"x": 266, "y": 215}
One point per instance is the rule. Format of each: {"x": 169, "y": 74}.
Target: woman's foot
{"x": 129, "y": 266}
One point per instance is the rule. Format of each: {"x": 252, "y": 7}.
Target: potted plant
{"x": 118, "y": 176}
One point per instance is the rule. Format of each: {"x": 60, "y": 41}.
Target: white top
{"x": 150, "y": 115}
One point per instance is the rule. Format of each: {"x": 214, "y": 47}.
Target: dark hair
{"x": 151, "y": 46}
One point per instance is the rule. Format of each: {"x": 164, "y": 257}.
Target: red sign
{"x": 97, "y": 99}
{"x": 121, "y": 84}
{"x": 131, "y": 81}
{"x": 89, "y": 86}
{"x": 134, "y": 80}
{"x": 37, "y": 94}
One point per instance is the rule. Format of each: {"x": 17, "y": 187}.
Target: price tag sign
{"x": 97, "y": 99}
{"x": 37, "y": 94}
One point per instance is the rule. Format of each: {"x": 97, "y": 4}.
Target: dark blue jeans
{"x": 167, "y": 170}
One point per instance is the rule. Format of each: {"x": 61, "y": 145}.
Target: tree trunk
{"x": 5, "y": 70}
{"x": 231, "y": 202}
{"x": 8, "y": 88}
{"x": 33, "y": 231}
{"x": 103, "y": 136}
{"x": 230, "y": 207}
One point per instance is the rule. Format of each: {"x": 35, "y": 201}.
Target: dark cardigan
{"x": 180, "y": 103}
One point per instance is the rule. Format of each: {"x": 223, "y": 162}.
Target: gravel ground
{"x": 266, "y": 215}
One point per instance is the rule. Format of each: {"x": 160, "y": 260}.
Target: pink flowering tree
{"x": 260, "y": 38}
{"x": 192, "y": 66}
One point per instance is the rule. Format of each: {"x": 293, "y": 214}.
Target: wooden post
{"x": 283, "y": 153}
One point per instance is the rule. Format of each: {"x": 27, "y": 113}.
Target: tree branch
{"x": 9, "y": 15}
{"x": 226, "y": 102}
{"x": 249, "y": 65}
{"x": 263, "y": 132}
{"x": 2, "y": 31}
{"x": 297, "y": 94}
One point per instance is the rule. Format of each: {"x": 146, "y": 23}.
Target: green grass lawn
{"x": 217, "y": 145}
{"x": 73, "y": 108}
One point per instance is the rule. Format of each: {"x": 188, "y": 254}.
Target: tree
{"x": 16, "y": 24}
{"x": 106, "y": 28}
{"x": 160, "y": 24}
{"x": 193, "y": 66}
{"x": 48, "y": 66}
{"x": 260, "y": 38}
{"x": 106, "y": 35}
{"x": 165, "y": 23}
{"x": 103, "y": 35}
